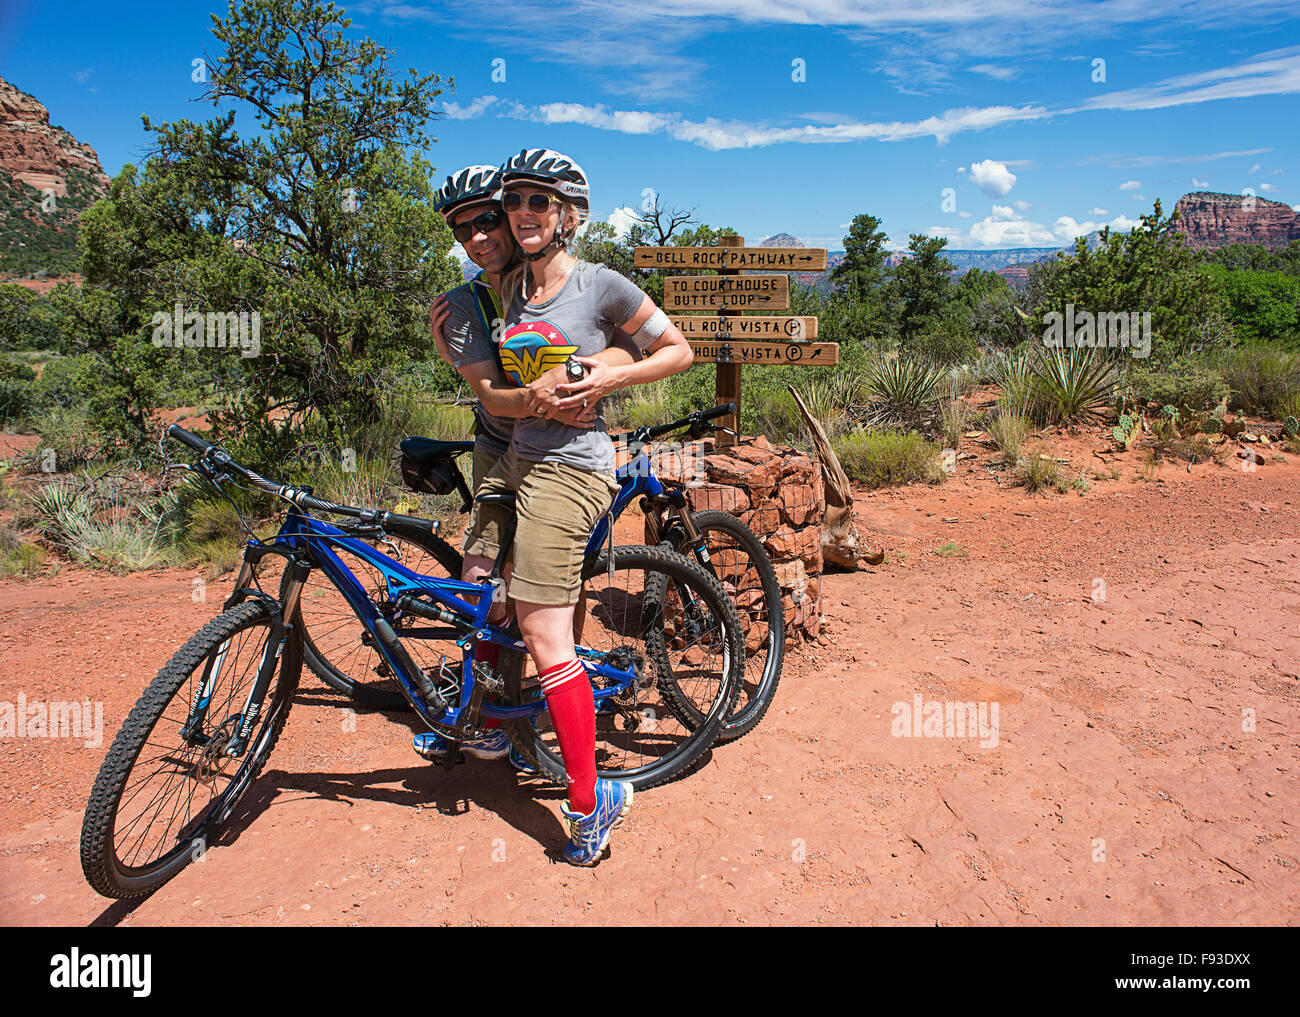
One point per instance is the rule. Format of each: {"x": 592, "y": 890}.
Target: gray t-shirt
{"x": 581, "y": 320}
{"x": 467, "y": 344}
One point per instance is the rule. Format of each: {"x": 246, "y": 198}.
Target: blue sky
{"x": 770, "y": 117}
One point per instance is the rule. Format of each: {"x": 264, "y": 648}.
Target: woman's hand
{"x": 600, "y": 381}
{"x": 438, "y": 314}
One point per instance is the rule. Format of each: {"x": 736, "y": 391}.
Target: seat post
{"x": 507, "y": 501}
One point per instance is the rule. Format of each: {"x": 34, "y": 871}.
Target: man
{"x": 463, "y": 322}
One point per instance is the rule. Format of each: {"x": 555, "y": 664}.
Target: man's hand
{"x": 540, "y": 399}
{"x": 438, "y": 314}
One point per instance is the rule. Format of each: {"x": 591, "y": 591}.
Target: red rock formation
{"x": 1212, "y": 220}
{"x": 36, "y": 153}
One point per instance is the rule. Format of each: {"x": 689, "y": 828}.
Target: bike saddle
{"x": 423, "y": 450}
{"x": 506, "y": 499}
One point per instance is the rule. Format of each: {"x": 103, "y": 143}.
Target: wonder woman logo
{"x": 531, "y": 348}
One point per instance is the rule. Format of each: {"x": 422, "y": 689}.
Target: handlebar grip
{"x": 186, "y": 438}
{"x": 725, "y": 410}
{"x": 415, "y": 522}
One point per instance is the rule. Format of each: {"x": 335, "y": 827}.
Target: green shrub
{"x": 1009, "y": 429}
{"x": 1186, "y": 381}
{"x": 69, "y": 433}
{"x": 948, "y": 341}
{"x": 885, "y": 458}
{"x": 1039, "y": 470}
{"x": 1265, "y": 380}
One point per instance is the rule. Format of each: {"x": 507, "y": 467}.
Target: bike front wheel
{"x": 163, "y": 791}
{"x": 659, "y": 615}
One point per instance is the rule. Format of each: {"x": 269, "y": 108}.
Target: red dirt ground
{"x": 1128, "y": 784}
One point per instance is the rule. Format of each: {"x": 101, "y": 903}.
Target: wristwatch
{"x": 574, "y": 370}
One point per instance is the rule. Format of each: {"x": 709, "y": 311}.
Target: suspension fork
{"x": 281, "y": 630}
{"x": 677, "y": 519}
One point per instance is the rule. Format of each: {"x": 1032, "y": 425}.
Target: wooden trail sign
{"x": 726, "y": 337}
{"x": 764, "y": 259}
{"x": 783, "y": 329}
{"x": 721, "y": 351}
{"x": 736, "y": 292}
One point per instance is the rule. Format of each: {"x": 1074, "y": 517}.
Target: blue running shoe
{"x": 494, "y": 745}
{"x": 589, "y": 834}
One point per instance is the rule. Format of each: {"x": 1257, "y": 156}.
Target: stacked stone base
{"x": 778, "y": 493}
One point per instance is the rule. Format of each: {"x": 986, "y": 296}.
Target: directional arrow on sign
{"x": 769, "y": 259}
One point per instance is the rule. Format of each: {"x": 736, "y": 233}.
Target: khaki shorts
{"x": 483, "y": 463}
{"x": 557, "y": 506}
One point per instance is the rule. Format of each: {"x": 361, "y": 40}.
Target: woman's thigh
{"x": 558, "y": 506}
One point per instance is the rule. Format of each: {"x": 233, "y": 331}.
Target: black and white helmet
{"x": 541, "y": 167}
{"x": 471, "y": 186}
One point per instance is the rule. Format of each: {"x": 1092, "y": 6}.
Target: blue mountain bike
{"x": 345, "y": 657}
{"x": 661, "y": 644}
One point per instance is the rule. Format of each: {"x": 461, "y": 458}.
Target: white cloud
{"x": 621, "y": 219}
{"x": 1127, "y": 159}
{"x": 1024, "y": 206}
{"x": 944, "y": 231}
{"x": 1295, "y": 208}
{"x": 1277, "y": 172}
{"x": 1254, "y": 169}
{"x": 83, "y": 76}
{"x": 1130, "y": 185}
{"x": 964, "y": 215}
{"x": 1003, "y": 212}
{"x": 961, "y": 169}
{"x": 1276, "y": 72}
{"x": 1267, "y": 188}
{"x": 471, "y": 110}
{"x": 1122, "y": 223}
{"x": 1098, "y": 211}
{"x": 995, "y": 71}
{"x": 1067, "y": 229}
{"x": 1138, "y": 197}
{"x": 1273, "y": 73}
{"x": 1200, "y": 183}
{"x": 991, "y": 232}
{"x": 993, "y": 178}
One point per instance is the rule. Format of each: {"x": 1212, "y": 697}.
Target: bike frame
{"x": 465, "y": 606}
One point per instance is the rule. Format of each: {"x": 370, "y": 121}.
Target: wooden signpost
{"x": 726, "y": 292}
{"x": 725, "y": 336}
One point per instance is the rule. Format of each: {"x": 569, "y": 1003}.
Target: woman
{"x": 462, "y": 321}
{"x": 557, "y": 307}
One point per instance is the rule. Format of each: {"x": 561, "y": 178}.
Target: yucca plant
{"x": 1013, "y": 373}
{"x": 1071, "y": 385}
{"x": 905, "y": 388}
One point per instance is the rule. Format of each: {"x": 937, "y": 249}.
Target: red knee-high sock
{"x": 488, "y": 653}
{"x": 573, "y": 712}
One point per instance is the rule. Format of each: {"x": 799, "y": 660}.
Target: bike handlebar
{"x": 302, "y": 497}
{"x": 690, "y": 420}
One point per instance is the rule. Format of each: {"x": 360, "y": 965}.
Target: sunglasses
{"x": 538, "y": 203}
{"x": 485, "y": 223}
